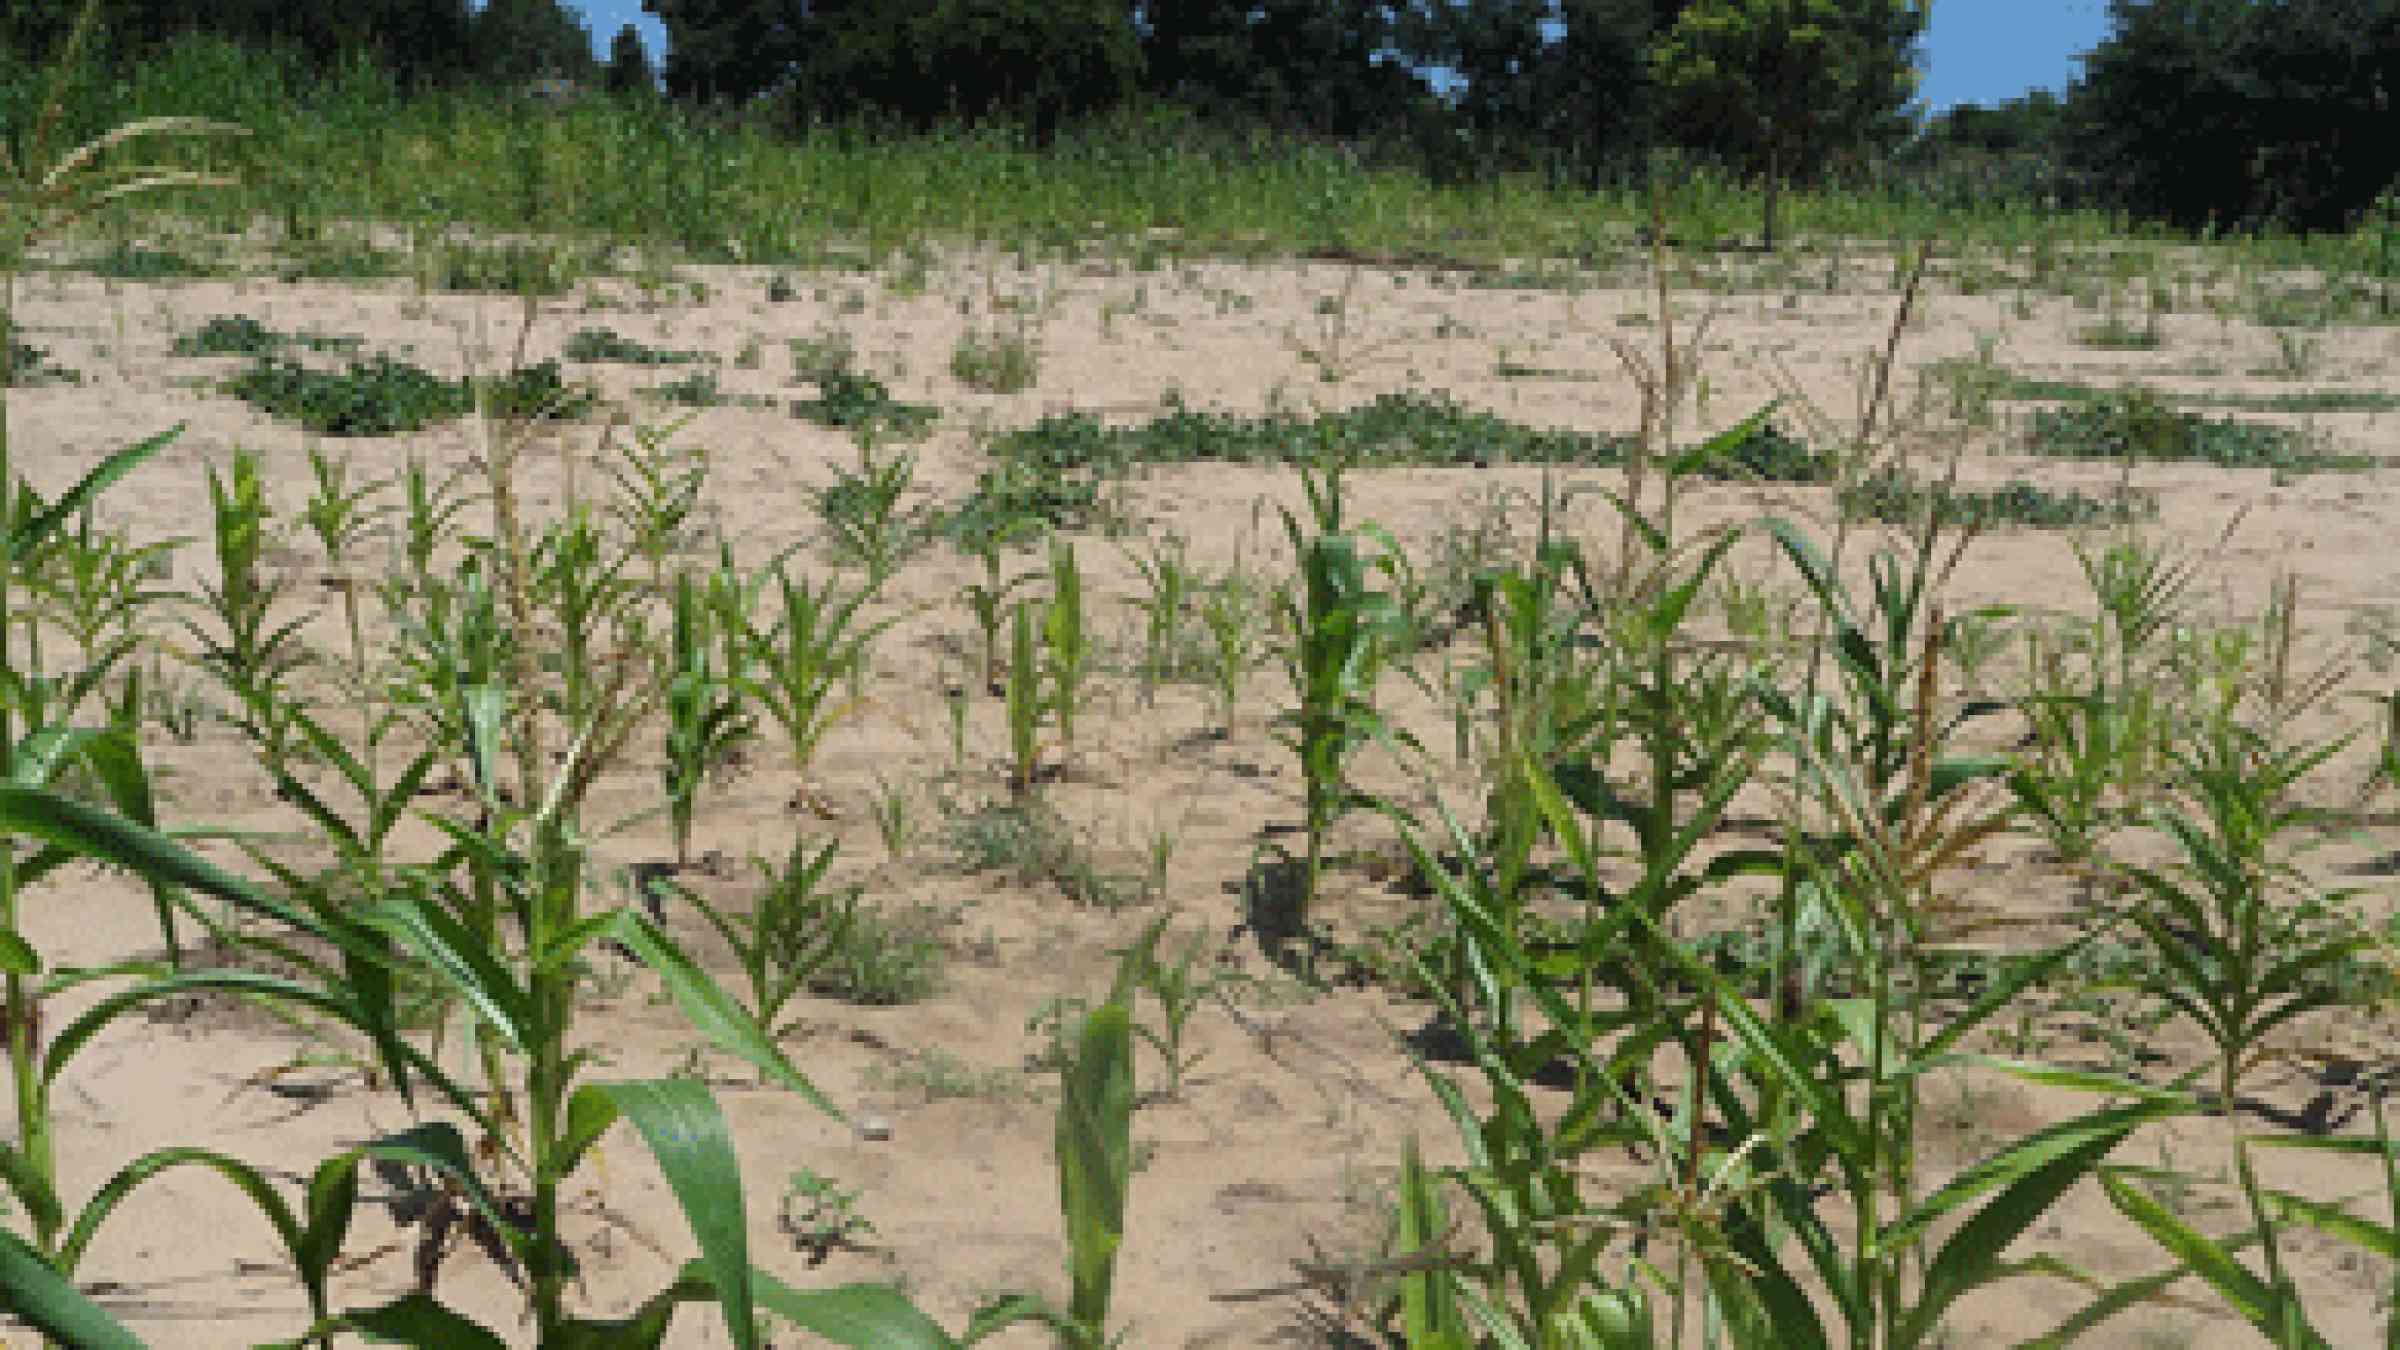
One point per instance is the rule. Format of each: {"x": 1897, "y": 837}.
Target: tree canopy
{"x": 1783, "y": 87}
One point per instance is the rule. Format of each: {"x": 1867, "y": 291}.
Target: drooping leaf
{"x": 32, "y": 1290}
{"x": 687, "y": 1134}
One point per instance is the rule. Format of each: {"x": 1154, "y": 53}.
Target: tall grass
{"x": 332, "y": 151}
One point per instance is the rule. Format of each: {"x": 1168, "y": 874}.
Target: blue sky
{"x": 1978, "y": 51}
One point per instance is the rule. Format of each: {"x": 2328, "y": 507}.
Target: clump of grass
{"x": 348, "y": 260}
{"x": 594, "y": 345}
{"x": 1992, "y": 383}
{"x": 696, "y": 390}
{"x": 848, "y": 399}
{"x": 938, "y": 1075}
{"x": 508, "y": 269}
{"x": 996, "y": 362}
{"x": 241, "y": 335}
{"x": 819, "y": 357}
{"x": 2116, "y": 335}
{"x": 1026, "y": 840}
{"x": 1893, "y": 497}
{"x": 885, "y": 957}
{"x": 134, "y": 262}
{"x": 384, "y": 397}
{"x": 2137, "y": 424}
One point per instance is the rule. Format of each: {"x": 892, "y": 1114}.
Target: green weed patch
{"x": 241, "y": 335}
{"x": 848, "y": 399}
{"x": 1892, "y": 497}
{"x": 700, "y": 389}
{"x": 1393, "y": 431}
{"x": 384, "y": 397}
{"x": 2137, "y": 424}
{"x": 132, "y": 262}
{"x": 603, "y": 345}
{"x": 1992, "y": 382}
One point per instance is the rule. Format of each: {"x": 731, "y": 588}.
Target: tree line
{"x": 2236, "y": 113}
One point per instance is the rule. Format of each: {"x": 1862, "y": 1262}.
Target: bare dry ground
{"x": 1283, "y": 1146}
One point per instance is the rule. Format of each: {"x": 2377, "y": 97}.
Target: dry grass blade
{"x": 91, "y": 150}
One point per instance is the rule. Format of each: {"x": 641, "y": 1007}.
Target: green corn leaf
{"x": 30, "y": 1187}
{"x": 687, "y": 1133}
{"x": 710, "y": 1010}
{"x": 2035, "y": 1172}
{"x": 1428, "y": 1313}
{"x": 89, "y": 832}
{"x": 862, "y": 1316}
{"x": 32, "y": 534}
{"x": 462, "y": 961}
{"x": 237, "y": 1173}
{"x": 414, "y": 1320}
{"x": 32, "y": 1290}
{"x": 1095, "y": 1159}
{"x": 2248, "y": 1295}
{"x": 2115, "y": 1299}
{"x": 2335, "y": 1221}
{"x": 1724, "y": 443}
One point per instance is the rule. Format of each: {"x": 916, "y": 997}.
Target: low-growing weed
{"x": 936, "y": 1075}
{"x": 384, "y": 397}
{"x": 2115, "y": 335}
{"x": 137, "y": 262}
{"x": 2137, "y": 425}
{"x": 819, "y": 1216}
{"x": 506, "y": 269}
{"x": 885, "y": 957}
{"x": 1392, "y": 431}
{"x": 1027, "y": 841}
{"x": 848, "y": 399}
{"x": 606, "y": 345}
{"x": 242, "y": 335}
{"x": 822, "y": 355}
{"x": 1016, "y": 496}
{"x": 700, "y": 389}
{"x": 1891, "y": 496}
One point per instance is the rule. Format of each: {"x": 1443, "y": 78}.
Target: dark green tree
{"x": 2243, "y": 112}
{"x": 517, "y": 41}
{"x": 926, "y": 61}
{"x": 416, "y": 40}
{"x": 730, "y": 51}
{"x": 1560, "y": 82}
{"x": 1781, "y": 87}
{"x": 629, "y": 69}
{"x": 1320, "y": 67}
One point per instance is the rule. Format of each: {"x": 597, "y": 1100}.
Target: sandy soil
{"x": 1286, "y": 1140}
